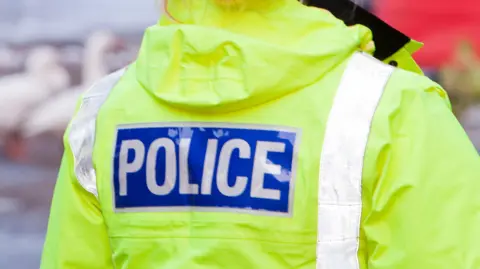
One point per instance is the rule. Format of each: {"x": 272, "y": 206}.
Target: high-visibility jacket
{"x": 263, "y": 138}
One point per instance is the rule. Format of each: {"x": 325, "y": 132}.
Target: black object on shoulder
{"x": 388, "y": 40}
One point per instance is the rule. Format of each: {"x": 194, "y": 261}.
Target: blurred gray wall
{"x": 27, "y": 21}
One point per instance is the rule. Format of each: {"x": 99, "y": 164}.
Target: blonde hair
{"x": 225, "y": 3}
{"x": 228, "y": 4}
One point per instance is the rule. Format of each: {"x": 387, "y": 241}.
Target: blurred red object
{"x": 441, "y": 24}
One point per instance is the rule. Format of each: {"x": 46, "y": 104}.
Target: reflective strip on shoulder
{"x": 341, "y": 164}
{"x": 82, "y": 130}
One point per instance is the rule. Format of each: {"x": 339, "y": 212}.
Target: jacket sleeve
{"x": 423, "y": 205}
{"x": 77, "y": 236}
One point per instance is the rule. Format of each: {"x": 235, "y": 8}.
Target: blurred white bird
{"x": 97, "y": 47}
{"x": 19, "y": 92}
{"x": 9, "y": 58}
{"x": 54, "y": 115}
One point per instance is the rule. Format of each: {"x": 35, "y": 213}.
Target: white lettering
{"x": 178, "y": 169}
{"x": 262, "y": 166}
{"x": 170, "y": 166}
{"x": 208, "y": 166}
{"x": 224, "y": 164}
{"x": 126, "y": 167}
{"x": 185, "y": 186}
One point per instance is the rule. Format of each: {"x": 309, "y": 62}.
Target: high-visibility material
{"x": 240, "y": 101}
{"x": 82, "y": 130}
{"x": 341, "y": 162}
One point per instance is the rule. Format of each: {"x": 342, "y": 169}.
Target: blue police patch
{"x": 205, "y": 167}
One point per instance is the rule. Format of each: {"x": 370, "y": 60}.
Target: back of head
{"x": 200, "y": 10}
{"x": 231, "y": 4}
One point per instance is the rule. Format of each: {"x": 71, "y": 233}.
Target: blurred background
{"x": 51, "y": 50}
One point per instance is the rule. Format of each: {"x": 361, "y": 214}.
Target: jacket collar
{"x": 388, "y": 40}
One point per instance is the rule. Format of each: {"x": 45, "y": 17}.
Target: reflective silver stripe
{"x": 341, "y": 165}
{"x": 82, "y": 130}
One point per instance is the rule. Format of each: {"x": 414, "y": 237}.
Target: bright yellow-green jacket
{"x": 276, "y": 64}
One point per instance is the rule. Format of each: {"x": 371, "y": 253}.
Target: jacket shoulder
{"x": 406, "y": 83}
{"x": 82, "y": 131}
{"x": 105, "y": 84}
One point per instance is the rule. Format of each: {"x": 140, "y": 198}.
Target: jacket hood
{"x": 230, "y": 59}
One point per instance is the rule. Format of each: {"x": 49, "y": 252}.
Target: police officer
{"x": 257, "y": 134}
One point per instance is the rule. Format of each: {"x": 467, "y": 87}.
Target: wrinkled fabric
{"x": 279, "y": 66}
{"x": 420, "y": 207}
{"x": 198, "y": 64}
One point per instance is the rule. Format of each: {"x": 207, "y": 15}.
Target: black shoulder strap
{"x": 388, "y": 40}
